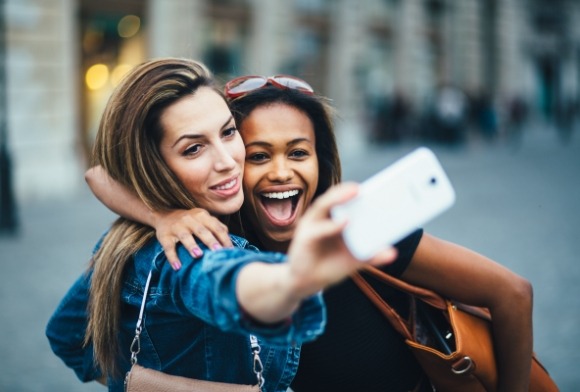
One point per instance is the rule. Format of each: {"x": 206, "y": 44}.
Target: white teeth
{"x": 281, "y": 195}
{"x": 228, "y": 185}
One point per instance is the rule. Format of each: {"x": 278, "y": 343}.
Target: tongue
{"x": 279, "y": 209}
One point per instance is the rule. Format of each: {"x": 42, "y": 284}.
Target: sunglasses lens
{"x": 296, "y": 84}
{"x": 244, "y": 85}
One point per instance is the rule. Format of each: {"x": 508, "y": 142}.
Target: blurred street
{"x": 518, "y": 204}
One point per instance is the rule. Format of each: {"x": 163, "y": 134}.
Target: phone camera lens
{"x": 433, "y": 181}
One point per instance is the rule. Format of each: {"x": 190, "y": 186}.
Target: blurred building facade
{"x": 64, "y": 57}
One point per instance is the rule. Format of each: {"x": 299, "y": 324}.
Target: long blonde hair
{"x": 127, "y": 147}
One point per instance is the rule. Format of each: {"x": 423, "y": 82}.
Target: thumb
{"x": 336, "y": 195}
{"x": 384, "y": 257}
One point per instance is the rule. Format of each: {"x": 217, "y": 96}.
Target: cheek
{"x": 238, "y": 151}
{"x": 193, "y": 184}
{"x": 313, "y": 175}
{"x": 192, "y": 174}
{"x": 249, "y": 181}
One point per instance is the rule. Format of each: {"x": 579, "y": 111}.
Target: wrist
{"x": 153, "y": 217}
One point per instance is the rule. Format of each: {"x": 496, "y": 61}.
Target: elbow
{"x": 522, "y": 294}
{"x": 73, "y": 353}
{"x": 90, "y": 175}
{"x": 60, "y": 343}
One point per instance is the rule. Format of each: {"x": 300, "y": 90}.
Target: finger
{"x": 384, "y": 257}
{"x": 172, "y": 258}
{"x": 336, "y": 195}
{"x": 191, "y": 245}
{"x": 215, "y": 235}
{"x": 222, "y": 235}
{"x": 327, "y": 229}
{"x": 207, "y": 237}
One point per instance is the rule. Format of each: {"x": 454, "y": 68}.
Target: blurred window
{"x": 112, "y": 42}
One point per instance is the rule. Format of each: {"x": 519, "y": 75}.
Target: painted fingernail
{"x": 197, "y": 252}
{"x": 216, "y": 246}
{"x": 176, "y": 266}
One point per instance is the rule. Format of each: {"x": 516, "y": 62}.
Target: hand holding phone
{"x": 394, "y": 202}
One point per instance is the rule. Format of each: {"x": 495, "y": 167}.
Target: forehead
{"x": 200, "y": 112}
{"x": 277, "y": 120}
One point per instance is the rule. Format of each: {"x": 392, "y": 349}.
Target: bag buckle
{"x": 463, "y": 365}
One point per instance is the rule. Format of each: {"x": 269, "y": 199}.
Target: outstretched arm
{"x": 469, "y": 277}
{"x": 171, "y": 226}
{"x": 317, "y": 259}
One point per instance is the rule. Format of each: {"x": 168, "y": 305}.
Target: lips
{"x": 280, "y": 207}
{"x": 227, "y": 187}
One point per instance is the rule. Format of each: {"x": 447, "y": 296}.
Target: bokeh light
{"x": 118, "y": 73}
{"x": 129, "y": 26}
{"x": 97, "y": 76}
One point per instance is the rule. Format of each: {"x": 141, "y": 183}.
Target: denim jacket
{"x": 193, "y": 324}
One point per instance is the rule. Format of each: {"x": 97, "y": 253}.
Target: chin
{"x": 278, "y": 237}
{"x": 228, "y": 209}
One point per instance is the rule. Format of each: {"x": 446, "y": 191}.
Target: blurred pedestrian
{"x": 450, "y": 115}
{"x": 517, "y": 116}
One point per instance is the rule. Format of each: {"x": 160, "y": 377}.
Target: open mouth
{"x": 280, "y": 206}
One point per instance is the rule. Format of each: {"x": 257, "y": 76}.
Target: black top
{"x": 359, "y": 350}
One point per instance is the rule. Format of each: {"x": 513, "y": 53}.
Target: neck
{"x": 275, "y": 246}
{"x": 266, "y": 243}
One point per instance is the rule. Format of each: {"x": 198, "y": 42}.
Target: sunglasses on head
{"x": 245, "y": 84}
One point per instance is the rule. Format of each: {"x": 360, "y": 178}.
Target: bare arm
{"x": 171, "y": 226}
{"x": 317, "y": 259}
{"x": 471, "y": 278}
{"x": 118, "y": 198}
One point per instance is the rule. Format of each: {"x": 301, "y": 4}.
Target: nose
{"x": 224, "y": 160}
{"x": 281, "y": 171}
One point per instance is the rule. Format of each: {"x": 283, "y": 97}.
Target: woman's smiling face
{"x": 202, "y": 146}
{"x": 281, "y": 171}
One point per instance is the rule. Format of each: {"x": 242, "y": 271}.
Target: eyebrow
{"x": 290, "y": 143}
{"x": 197, "y": 136}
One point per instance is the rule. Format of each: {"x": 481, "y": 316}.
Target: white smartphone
{"x": 395, "y": 202}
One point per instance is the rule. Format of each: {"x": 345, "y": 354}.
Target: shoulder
{"x": 409, "y": 244}
{"x": 406, "y": 250}
{"x": 100, "y": 241}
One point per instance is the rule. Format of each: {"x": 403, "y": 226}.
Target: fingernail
{"x": 176, "y": 266}
{"x": 197, "y": 252}
{"x": 216, "y": 246}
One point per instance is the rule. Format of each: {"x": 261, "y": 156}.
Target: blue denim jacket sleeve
{"x": 67, "y": 327}
{"x": 206, "y": 288}
{"x": 66, "y": 331}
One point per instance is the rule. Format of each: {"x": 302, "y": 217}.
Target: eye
{"x": 257, "y": 157}
{"x": 229, "y": 132}
{"x": 192, "y": 150}
{"x": 299, "y": 154}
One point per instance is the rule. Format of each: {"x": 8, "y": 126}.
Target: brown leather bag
{"x": 451, "y": 341}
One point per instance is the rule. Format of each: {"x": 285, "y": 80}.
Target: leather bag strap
{"x": 425, "y": 295}
{"x": 387, "y": 310}
{"x": 428, "y": 296}
{"x": 398, "y": 322}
